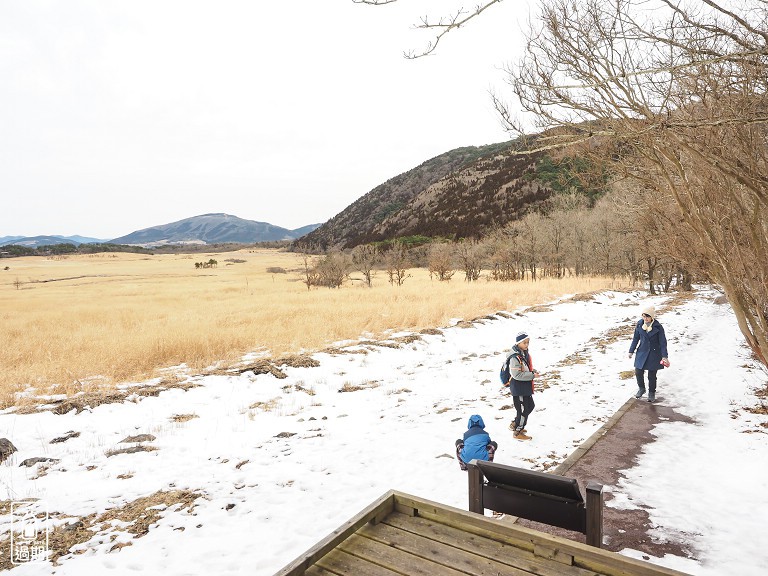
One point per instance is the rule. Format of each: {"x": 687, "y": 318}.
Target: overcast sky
{"x": 121, "y": 115}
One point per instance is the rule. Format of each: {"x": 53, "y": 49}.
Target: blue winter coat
{"x": 476, "y": 440}
{"x": 651, "y": 346}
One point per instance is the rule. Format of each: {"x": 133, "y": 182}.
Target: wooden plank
{"x": 553, "y": 554}
{"x": 339, "y": 562}
{"x": 499, "y": 551}
{"x": 469, "y": 522}
{"x": 584, "y": 556}
{"x": 377, "y": 510}
{"x": 398, "y": 561}
{"x": 467, "y": 561}
{"x": 408, "y": 510}
{"x": 618, "y": 565}
{"x": 317, "y": 571}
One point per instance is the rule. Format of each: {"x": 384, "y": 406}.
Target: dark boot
{"x": 640, "y": 392}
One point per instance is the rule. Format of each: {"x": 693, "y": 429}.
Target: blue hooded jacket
{"x": 651, "y": 346}
{"x": 476, "y": 440}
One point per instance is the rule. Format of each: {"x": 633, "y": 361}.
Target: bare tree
{"x": 442, "y": 26}
{"x": 396, "y": 261}
{"x": 531, "y": 242}
{"x": 470, "y": 256}
{"x": 440, "y": 261}
{"x": 673, "y": 95}
{"x": 364, "y": 258}
{"x": 332, "y": 269}
{"x": 310, "y": 275}
{"x": 504, "y": 258}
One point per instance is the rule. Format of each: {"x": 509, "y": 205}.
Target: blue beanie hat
{"x": 521, "y": 336}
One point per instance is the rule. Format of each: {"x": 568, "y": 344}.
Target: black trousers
{"x": 639, "y": 375}
{"x": 524, "y": 405}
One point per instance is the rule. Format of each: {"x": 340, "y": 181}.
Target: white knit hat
{"x": 650, "y": 311}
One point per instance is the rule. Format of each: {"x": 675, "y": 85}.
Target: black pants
{"x": 639, "y": 373}
{"x": 523, "y": 406}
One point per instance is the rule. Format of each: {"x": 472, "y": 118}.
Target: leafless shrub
{"x": 440, "y": 261}
{"x": 396, "y": 261}
{"x": 364, "y": 258}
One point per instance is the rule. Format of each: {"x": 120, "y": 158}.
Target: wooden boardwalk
{"x": 401, "y": 535}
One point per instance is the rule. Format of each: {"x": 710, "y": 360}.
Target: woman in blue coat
{"x": 651, "y": 344}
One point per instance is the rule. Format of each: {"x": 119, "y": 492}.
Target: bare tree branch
{"x": 673, "y": 94}
{"x": 444, "y": 24}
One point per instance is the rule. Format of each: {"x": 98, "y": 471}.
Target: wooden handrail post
{"x": 475, "y": 477}
{"x": 595, "y": 514}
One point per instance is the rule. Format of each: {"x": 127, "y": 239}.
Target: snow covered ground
{"x": 250, "y": 470}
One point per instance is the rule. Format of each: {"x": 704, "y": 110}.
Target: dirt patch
{"x": 271, "y": 366}
{"x": 85, "y": 401}
{"x": 131, "y": 450}
{"x": 267, "y": 406}
{"x": 349, "y": 387}
{"x": 408, "y": 339}
{"x": 334, "y": 351}
{"x": 538, "y": 309}
{"x": 143, "y": 512}
{"x": 89, "y": 400}
{"x": 139, "y": 515}
{"x": 68, "y": 436}
{"x": 381, "y": 344}
{"x": 431, "y": 331}
{"x": 298, "y": 361}
{"x": 179, "y": 418}
{"x": 155, "y": 389}
{"x": 584, "y": 296}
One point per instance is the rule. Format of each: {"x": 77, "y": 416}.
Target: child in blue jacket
{"x": 476, "y": 444}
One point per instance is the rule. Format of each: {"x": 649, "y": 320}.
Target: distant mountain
{"x": 299, "y": 232}
{"x": 463, "y": 193}
{"x": 85, "y": 239}
{"x": 211, "y": 229}
{"x": 36, "y": 241}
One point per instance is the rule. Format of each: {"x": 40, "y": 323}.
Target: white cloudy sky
{"x": 117, "y": 116}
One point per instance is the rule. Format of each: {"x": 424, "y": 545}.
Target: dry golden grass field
{"x": 87, "y": 322}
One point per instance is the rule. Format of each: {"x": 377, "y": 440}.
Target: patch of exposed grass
{"x": 350, "y": 387}
{"x": 138, "y": 515}
{"x": 179, "y": 418}
{"x": 132, "y": 317}
{"x": 267, "y": 406}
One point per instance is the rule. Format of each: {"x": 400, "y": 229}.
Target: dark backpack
{"x": 505, "y": 374}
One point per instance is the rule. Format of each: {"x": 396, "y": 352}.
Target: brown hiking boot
{"x": 521, "y": 435}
